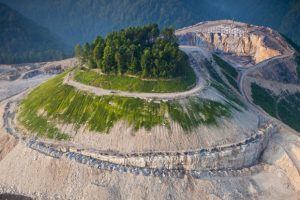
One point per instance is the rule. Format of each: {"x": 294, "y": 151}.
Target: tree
{"x": 78, "y": 51}
{"x": 146, "y": 63}
{"x": 98, "y": 51}
{"x": 120, "y": 58}
{"x": 108, "y": 62}
{"x": 136, "y": 50}
{"x": 86, "y": 52}
{"x": 168, "y": 35}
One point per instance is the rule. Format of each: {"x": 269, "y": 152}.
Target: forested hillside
{"x": 144, "y": 51}
{"x": 77, "y": 21}
{"x": 21, "y": 40}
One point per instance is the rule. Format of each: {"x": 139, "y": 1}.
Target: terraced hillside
{"x": 80, "y": 139}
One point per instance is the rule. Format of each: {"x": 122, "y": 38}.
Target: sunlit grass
{"x": 63, "y": 104}
{"x": 134, "y": 84}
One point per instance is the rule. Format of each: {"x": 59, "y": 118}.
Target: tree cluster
{"x": 144, "y": 51}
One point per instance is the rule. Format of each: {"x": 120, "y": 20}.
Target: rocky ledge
{"x": 194, "y": 162}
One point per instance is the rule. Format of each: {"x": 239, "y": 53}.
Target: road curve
{"x": 250, "y": 69}
{"x": 255, "y": 107}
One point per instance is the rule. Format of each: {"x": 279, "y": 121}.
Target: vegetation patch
{"x": 213, "y": 73}
{"x": 197, "y": 111}
{"x": 64, "y": 104}
{"x": 264, "y": 98}
{"x": 136, "y": 84}
{"x": 226, "y": 66}
{"x": 218, "y": 83}
{"x": 232, "y": 81}
{"x": 229, "y": 72}
{"x": 41, "y": 125}
{"x": 143, "y": 51}
{"x": 284, "y": 107}
{"x": 231, "y": 96}
{"x": 289, "y": 110}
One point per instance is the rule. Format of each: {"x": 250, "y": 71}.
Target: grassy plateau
{"x": 135, "y": 84}
{"x": 54, "y": 102}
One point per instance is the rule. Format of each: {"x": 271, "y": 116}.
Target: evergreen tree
{"x": 120, "y": 58}
{"x": 108, "y": 62}
{"x": 98, "y": 51}
{"x": 137, "y": 50}
{"x": 78, "y": 52}
{"x": 146, "y": 63}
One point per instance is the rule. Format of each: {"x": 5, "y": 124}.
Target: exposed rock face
{"x": 230, "y": 156}
{"x": 247, "y": 45}
{"x": 27, "y": 71}
{"x": 239, "y": 39}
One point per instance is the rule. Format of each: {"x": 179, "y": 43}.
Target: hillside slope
{"x": 85, "y": 19}
{"x": 22, "y": 40}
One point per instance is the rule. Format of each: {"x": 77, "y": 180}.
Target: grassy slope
{"x": 264, "y": 98}
{"x": 218, "y": 83}
{"x": 125, "y": 83}
{"x": 63, "y": 103}
{"x": 229, "y": 72}
{"x": 287, "y": 108}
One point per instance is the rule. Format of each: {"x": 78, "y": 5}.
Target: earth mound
{"x": 211, "y": 138}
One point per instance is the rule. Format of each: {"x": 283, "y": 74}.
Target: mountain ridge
{"x": 87, "y": 19}
{"x": 24, "y": 41}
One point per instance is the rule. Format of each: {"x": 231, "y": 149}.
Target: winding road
{"x": 261, "y": 112}
{"x": 251, "y": 69}
{"x": 107, "y": 165}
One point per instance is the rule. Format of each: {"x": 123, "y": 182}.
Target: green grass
{"x": 264, "y": 98}
{"x": 41, "y": 126}
{"x": 132, "y": 84}
{"x": 287, "y": 107}
{"x": 213, "y": 73}
{"x": 63, "y": 104}
{"x": 232, "y": 81}
{"x": 197, "y": 112}
{"x": 218, "y": 83}
{"x": 226, "y": 66}
{"x": 289, "y": 110}
{"x": 230, "y": 95}
{"x": 228, "y": 71}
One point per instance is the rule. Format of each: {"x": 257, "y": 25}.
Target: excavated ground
{"x": 238, "y": 168}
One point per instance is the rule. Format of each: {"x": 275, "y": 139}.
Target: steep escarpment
{"x": 239, "y": 39}
{"x": 248, "y": 45}
{"x": 220, "y": 157}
